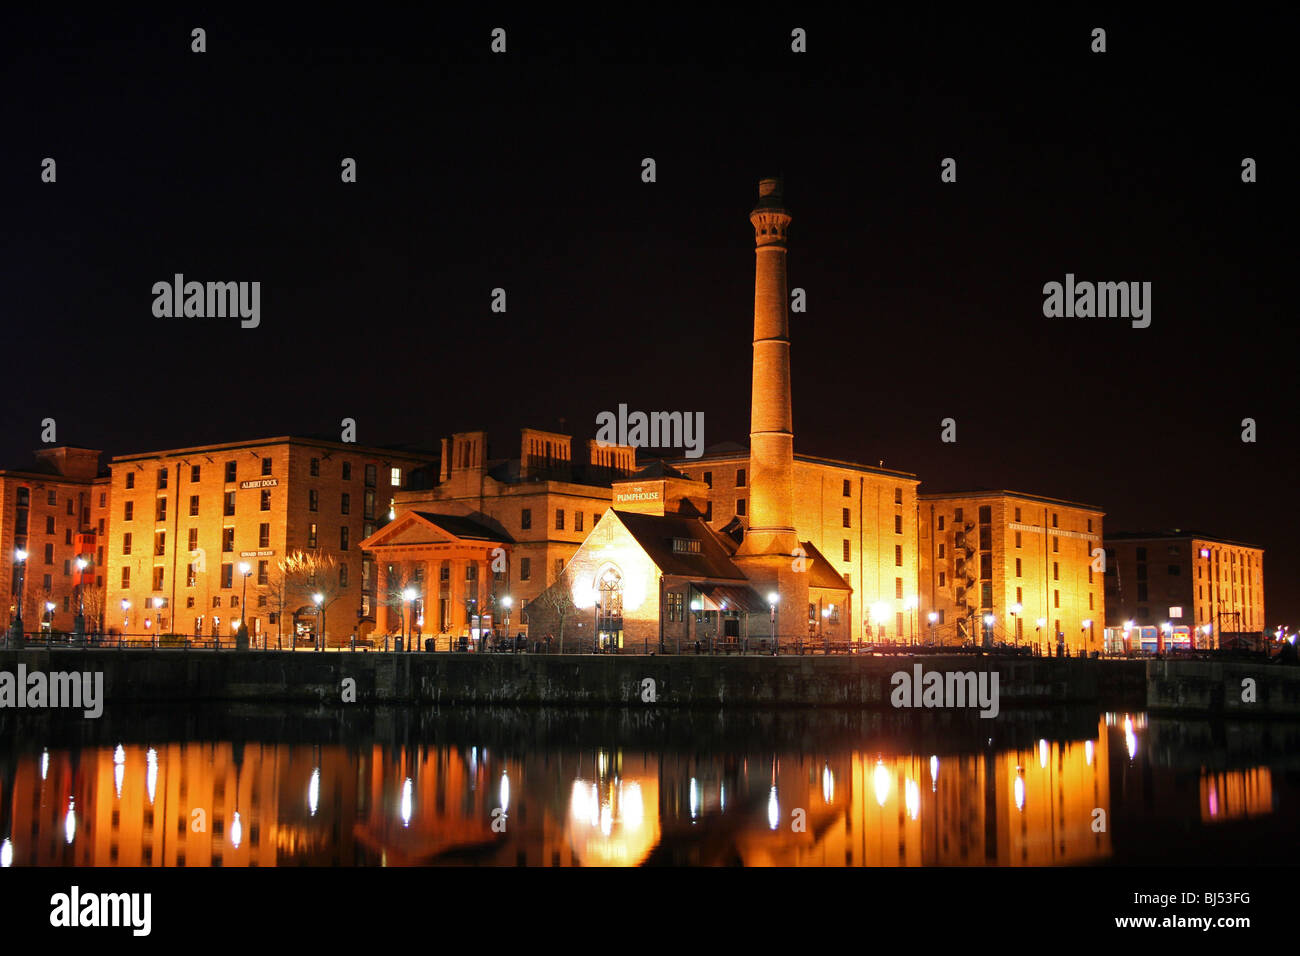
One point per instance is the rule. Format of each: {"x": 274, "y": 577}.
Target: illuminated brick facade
{"x": 57, "y": 512}
{"x": 183, "y": 520}
{"x": 985, "y": 552}
{"x": 1211, "y": 585}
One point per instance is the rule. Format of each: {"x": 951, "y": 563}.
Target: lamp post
{"x": 20, "y": 558}
{"x": 772, "y": 599}
{"x": 989, "y": 621}
{"x": 79, "y": 626}
{"x": 878, "y": 612}
{"x": 1086, "y": 627}
{"x": 1015, "y": 609}
{"x": 319, "y": 599}
{"x": 508, "y": 602}
{"x": 1128, "y": 626}
{"x": 934, "y": 619}
{"x": 241, "y": 635}
{"x": 408, "y": 595}
{"x": 1038, "y": 630}
{"x": 910, "y": 606}
{"x": 49, "y": 614}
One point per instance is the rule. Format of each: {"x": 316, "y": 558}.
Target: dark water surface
{"x": 507, "y": 787}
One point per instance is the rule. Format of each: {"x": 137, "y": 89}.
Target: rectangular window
{"x": 158, "y": 578}
{"x": 345, "y": 504}
{"x": 956, "y": 515}
{"x": 740, "y": 478}
{"x": 708, "y": 478}
{"x": 898, "y": 555}
{"x": 227, "y": 539}
{"x": 191, "y": 578}
{"x": 311, "y": 535}
{"x": 314, "y": 468}
{"x": 126, "y": 543}
{"x": 347, "y": 471}
{"x": 313, "y": 500}
{"x": 848, "y": 488}
{"x": 231, "y": 471}
{"x": 942, "y": 579}
{"x": 1089, "y": 600}
{"x": 1056, "y": 543}
{"x": 1020, "y": 595}
{"x": 1089, "y": 574}
{"x": 162, "y": 478}
{"x": 49, "y": 524}
{"x": 228, "y": 507}
{"x": 368, "y": 504}
{"x": 1017, "y": 539}
{"x": 740, "y": 506}
{"x": 847, "y": 551}
{"x": 559, "y": 519}
{"x": 940, "y": 522}
{"x": 898, "y": 524}
{"x": 372, "y": 476}
{"x": 1018, "y": 574}
{"x": 266, "y": 466}
{"x": 1054, "y": 524}
{"x": 227, "y": 575}
{"x": 1090, "y": 524}
{"x": 194, "y": 539}
{"x": 160, "y": 542}
{"x": 898, "y": 496}
{"x": 395, "y": 478}
{"x": 525, "y": 569}
{"x": 263, "y": 570}
{"x": 844, "y": 517}
{"x": 266, "y": 499}
{"x": 343, "y": 575}
{"x": 1017, "y": 514}
{"x": 343, "y": 538}
{"x": 130, "y": 479}
{"x": 577, "y": 521}
{"x": 1175, "y": 569}
{"x": 162, "y": 509}
{"x": 128, "y": 510}
{"x": 1056, "y": 599}
{"x": 526, "y": 518}
{"x": 194, "y": 474}
{"x": 264, "y": 535}
{"x": 985, "y": 514}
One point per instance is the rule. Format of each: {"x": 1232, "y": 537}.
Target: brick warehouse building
{"x": 490, "y": 528}
{"x": 1211, "y": 585}
{"x": 988, "y": 552}
{"x": 57, "y": 512}
{"x": 183, "y": 520}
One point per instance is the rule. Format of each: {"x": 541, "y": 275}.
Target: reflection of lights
{"x": 882, "y": 783}
{"x": 70, "y": 822}
{"x": 45, "y": 764}
{"x": 773, "y": 810}
{"x": 722, "y": 796}
{"x": 695, "y": 800}
{"x": 1130, "y": 738}
{"x": 1087, "y": 752}
{"x": 236, "y": 831}
{"x": 578, "y": 800}
{"x": 1042, "y": 753}
{"x": 606, "y": 819}
{"x": 505, "y": 791}
{"x": 119, "y": 769}
{"x": 1020, "y": 788}
{"x": 6, "y": 854}
{"x": 593, "y": 807}
{"x": 934, "y": 773}
{"x": 828, "y": 785}
{"x": 151, "y": 773}
{"x": 912, "y": 798}
{"x": 632, "y": 806}
{"x": 1214, "y": 799}
{"x": 406, "y": 802}
{"x": 313, "y": 791}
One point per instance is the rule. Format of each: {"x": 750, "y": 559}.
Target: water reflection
{"x": 1034, "y": 801}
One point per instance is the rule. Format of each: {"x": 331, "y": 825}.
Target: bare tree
{"x": 312, "y": 574}
{"x": 94, "y": 601}
{"x": 279, "y": 593}
{"x": 554, "y": 606}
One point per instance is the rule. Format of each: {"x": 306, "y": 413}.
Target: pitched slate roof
{"x": 655, "y": 534}
{"x": 462, "y": 527}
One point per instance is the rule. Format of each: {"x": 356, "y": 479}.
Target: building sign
{"x": 639, "y": 494}
{"x": 260, "y": 483}
{"x": 1059, "y": 532}
{"x": 256, "y": 554}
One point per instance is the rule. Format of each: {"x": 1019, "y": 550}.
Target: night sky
{"x": 523, "y": 171}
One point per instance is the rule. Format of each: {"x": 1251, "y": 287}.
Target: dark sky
{"x": 523, "y": 171}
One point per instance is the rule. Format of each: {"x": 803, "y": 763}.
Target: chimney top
{"x": 770, "y": 187}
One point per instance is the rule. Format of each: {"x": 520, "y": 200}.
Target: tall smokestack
{"x": 769, "y": 555}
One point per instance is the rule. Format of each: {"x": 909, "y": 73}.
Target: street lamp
{"x": 320, "y": 619}
{"x": 241, "y": 635}
{"x": 49, "y": 613}
{"x": 508, "y": 602}
{"x": 408, "y": 595}
{"x": 1016, "y": 609}
{"x": 79, "y": 626}
{"x": 989, "y": 620}
{"x": 126, "y": 618}
{"x": 772, "y": 599}
{"x": 1038, "y": 631}
{"x": 20, "y": 558}
{"x": 934, "y": 619}
{"x": 878, "y": 612}
{"x": 1087, "y": 629}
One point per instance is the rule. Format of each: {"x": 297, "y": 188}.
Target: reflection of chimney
{"x": 771, "y": 438}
